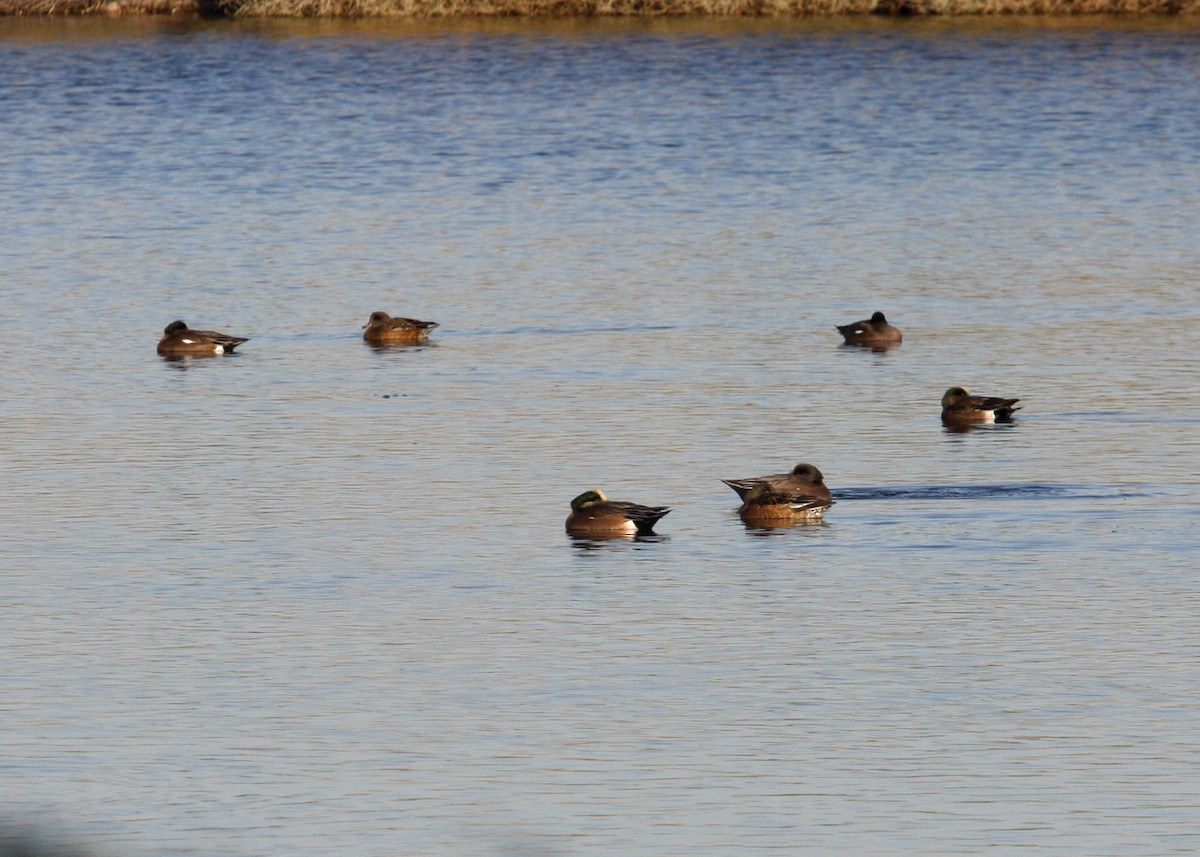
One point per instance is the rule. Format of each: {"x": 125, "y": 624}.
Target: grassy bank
{"x": 567, "y": 8}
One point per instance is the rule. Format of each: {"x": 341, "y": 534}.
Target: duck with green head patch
{"x": 593, "y": 514}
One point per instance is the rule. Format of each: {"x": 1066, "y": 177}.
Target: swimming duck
{"x": 382, "y": 329}
{"x": 959, "y": 408}
{"x": 179, "y": 340}
{"x": 769, "y": 506}
{"x": 874, "y": 331}
{"x": 803, "y": 478}
{"x": 593, "y": 514}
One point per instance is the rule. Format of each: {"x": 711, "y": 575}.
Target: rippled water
{"x": 315, "y": 598}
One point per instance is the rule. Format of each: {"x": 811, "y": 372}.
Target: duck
{"x": 770, "y": 506}
{"x": 803, "y": 478}
{"x": 594, "y": 515}
{"x": 873, "y": 332}
{"x": 179, "y": 340}
{"x": 382, "y": 329}
{"x": 960, "y": 408}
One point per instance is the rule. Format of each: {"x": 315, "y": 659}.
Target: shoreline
{"x": 425, "y": 9}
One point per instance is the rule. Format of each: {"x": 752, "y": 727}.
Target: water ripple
{"x": 1034, "y": 491}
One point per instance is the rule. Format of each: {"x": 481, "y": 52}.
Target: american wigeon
{"x": 803, "y": 478}
{"x": 382, "y": 329}
{"x": 874, "y": 332}
{"x": 960, "y": 408}
{"x": 179, "y": 340}
{"x": 593, "y": 514}
{"x": 769, "y": 506}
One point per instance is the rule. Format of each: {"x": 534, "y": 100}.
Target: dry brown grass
{"x": 757, "y": 8}
{"x": 594, "y": 8}
{"x": 112, "y": 7}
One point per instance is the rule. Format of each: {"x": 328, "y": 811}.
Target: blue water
{"x": 316, "y": 598}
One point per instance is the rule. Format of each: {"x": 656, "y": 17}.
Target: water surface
{"x": 315, "y": 598}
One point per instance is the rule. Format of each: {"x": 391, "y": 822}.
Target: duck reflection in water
{"x": 615, "y": 542}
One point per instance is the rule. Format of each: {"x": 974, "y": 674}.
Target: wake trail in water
{"x": 989, "y": 492}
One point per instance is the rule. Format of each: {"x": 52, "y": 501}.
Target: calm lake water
{"x": 314, "y": 598}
